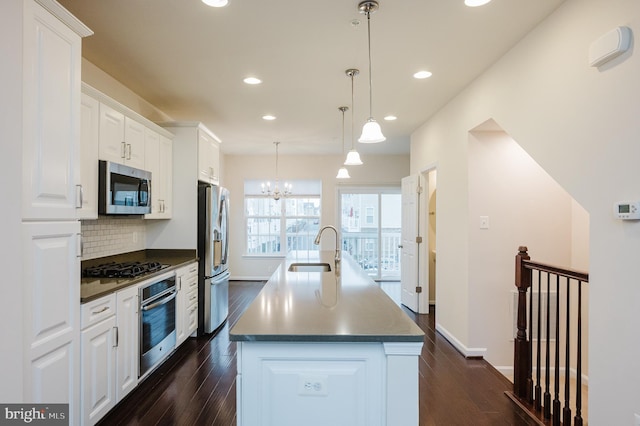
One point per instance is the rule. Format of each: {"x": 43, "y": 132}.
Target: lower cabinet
{"x": 128, "y": 358}
{"x": 187, "y": 302}
{"x": 327, "y": 383}
{"x": 109, "y": 342}
{"x": 98, "y": 370}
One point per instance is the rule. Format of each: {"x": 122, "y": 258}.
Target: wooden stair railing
{"x": 547, "y": 282}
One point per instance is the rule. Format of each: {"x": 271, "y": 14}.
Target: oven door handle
{"x": 160, "y": 302}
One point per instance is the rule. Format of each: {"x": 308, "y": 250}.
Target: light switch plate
{"x": 484, "y": 222}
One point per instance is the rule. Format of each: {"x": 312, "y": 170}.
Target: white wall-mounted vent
{"x": 609, "y": 46}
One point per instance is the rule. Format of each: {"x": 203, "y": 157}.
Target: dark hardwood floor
{"x": 196, "y": 386}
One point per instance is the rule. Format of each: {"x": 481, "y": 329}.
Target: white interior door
{"x": 409, "y": 246}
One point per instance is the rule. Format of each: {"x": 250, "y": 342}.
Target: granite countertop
{"x": 343, "y": 305}
{"x": 94, "y": 288}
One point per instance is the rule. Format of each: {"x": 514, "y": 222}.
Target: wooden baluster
{"x": 547, "y": 394}
{"x": 538, "y": 390}
{"x": 522, "y": 360}
{"x": 566, "y": 415}
{"x": 577, "y": 421}
{"x": 556, "y": 401}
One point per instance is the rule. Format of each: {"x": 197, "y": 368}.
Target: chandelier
{"x": 276, "y": 193}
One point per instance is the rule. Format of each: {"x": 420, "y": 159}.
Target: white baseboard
{"x": 507, "y": 371}
{"x": 467, "y": 352}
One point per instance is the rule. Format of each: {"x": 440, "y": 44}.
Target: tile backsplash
{"x": 107, "y": 236}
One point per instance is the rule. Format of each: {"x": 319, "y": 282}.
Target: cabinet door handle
{"x": 128, "y": 151}
{"x": 179, "y": 283}
{"x": 117, "y": 337}
{"x": 211, "y": 172}
{"x": 106, "y": 308}
{"x": 123, "y": 154}
{"x": 79, "y": 196}
{"x": 79, "y": 246}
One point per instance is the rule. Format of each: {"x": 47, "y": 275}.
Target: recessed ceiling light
{"x": 422, "y": 74}
{"x": 252, "y": 80}
{"x": 476, "y": 3}
{"x": 269, "y": 117}
{"x": 391, "y": 117}
{"x": 215, "y": 3}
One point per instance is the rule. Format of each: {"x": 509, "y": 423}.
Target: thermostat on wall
{"x": 627, "y": 210}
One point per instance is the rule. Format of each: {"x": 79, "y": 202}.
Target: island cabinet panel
{"x": 311, "y": 383}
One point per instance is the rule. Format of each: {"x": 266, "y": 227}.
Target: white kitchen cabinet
{"x": 181, "y": 231}
{"x": 186, "y": 302}
{"x": 121, "y": 138}
{"x": 89, "y": 134}
{"x": 109, "y": 352}
{"x": 51, "y": 277}
{"x": 208, "y": 158}
{"x": 99, "y": 345}
{"x": 128, "y": 341}
{"x": 158, "y": 160}
{"x": 51, "y": 90}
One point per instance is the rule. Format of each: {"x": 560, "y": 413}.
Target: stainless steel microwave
{"x": 123, "y": 189}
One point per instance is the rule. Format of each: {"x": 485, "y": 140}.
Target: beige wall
{"x": 100, "y": 80}
{"x": 380, "y": 170}
{"x": 580, "y": 125}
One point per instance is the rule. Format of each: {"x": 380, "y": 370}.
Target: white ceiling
{"x": 189, "y": 60}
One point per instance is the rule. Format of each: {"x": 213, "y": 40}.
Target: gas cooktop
{"x": 123, "y": 269}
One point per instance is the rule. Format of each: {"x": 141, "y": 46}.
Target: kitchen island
{"x": 326, "y": 347}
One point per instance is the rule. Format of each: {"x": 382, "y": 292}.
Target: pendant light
{"x": 371, "y": 131}
{"x": 353, "y": 158}
{"x": 276, "y": 193}
{"x": 343, "y": 173}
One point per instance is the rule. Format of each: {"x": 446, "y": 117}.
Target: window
{"x": 278, "y": 227}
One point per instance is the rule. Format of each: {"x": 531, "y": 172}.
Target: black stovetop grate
{"x": 122, "y": 270}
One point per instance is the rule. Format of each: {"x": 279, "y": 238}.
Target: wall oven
{"x": 157, "y": 321}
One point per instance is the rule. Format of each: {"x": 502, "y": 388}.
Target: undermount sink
{"x": 309, "y": 267}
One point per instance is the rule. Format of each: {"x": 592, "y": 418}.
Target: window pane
{"x": 391, "y": 223}
{"x": 303, "y": 206}
{"x": 261, "y": 206}
{"x": 263, "y": 235}
{"x": 301, "y": 233}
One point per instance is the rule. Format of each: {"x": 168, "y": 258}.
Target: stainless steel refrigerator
{"x": 213, "y": 255}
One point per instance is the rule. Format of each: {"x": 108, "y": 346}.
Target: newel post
{"x": 522, "y": 384}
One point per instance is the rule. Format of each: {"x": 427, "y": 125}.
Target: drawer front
{"x": 192, "y": 297}
{"x": 192, "y": 322}
{"x": 95, "y": 311}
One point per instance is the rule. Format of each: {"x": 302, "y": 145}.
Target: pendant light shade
{"x": 343, "y": 173}
{"x": 353, "y": 158}
{"x": 371, "y": 131}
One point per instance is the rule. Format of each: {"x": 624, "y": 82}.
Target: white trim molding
{"x": 467, "y": 352}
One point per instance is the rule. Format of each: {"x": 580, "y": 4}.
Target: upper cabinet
{"x": 122, "y": 139}
{"x": 89, "y": 134}
{"x": 158, "y": 160}
{"x": 208, "y": 157}
{"x": 51, "y": 68}
{"x": 113, "y": 132}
